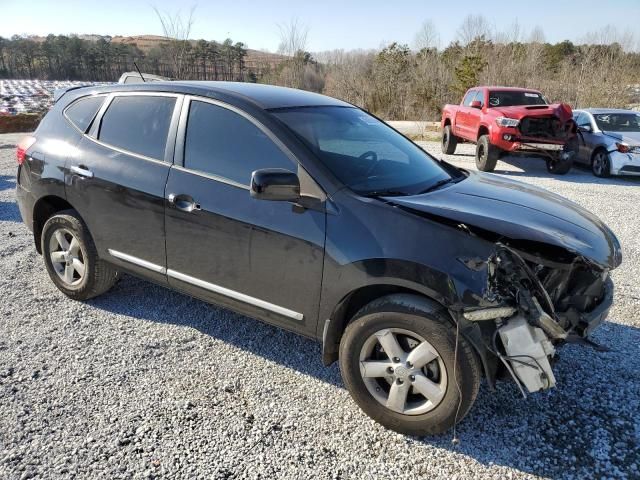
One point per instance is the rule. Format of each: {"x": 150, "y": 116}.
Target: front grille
{"x": 544, "y": 127}
{"x": 630, "y": 168}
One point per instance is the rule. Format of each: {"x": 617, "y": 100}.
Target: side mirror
{"x": 275, "y": 184}
{"x": 585, "y": 128}
{"x": 476, "y": 104}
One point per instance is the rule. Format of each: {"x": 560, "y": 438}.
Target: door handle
{"x": 186, "y": 203}
{"x": 82, "y": 171}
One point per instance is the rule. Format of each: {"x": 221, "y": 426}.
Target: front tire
{"x": 449, "y": 141}
{"x": 487, "y": 155}
{"x": 397, "y": 361}
{"x": 71, "y": 258}
{"x": 601, "y": 164}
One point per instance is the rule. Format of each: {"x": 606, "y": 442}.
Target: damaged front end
{"x": 542, "y": 304}
{"x": 538, "y": 276}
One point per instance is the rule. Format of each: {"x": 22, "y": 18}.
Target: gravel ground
{"x": 144, "y": 382}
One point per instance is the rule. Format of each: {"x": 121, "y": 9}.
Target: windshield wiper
{"x": 437, "y": 185}
{"x": 385, "y": 193}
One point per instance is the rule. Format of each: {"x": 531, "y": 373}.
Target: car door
{"x": 261, "y": 258}
{"x": 586, "y": 137}
{"x": 474, "y": 114}
{"x": 462, "y": 117}
{"x": 117, "y": 179}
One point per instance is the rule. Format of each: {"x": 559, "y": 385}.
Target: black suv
{"x": 311, "y": 214}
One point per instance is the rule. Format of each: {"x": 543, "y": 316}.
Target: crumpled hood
{"x": 632, "y": 138}
{"x": 520, "y": 211}
{"x": 560, "y": 110}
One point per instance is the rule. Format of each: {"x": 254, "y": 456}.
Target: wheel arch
{"x": 344, "y": 312}
{"x": 483, "y": 130}
{"x": 599, "y": 148}
{"x": 43, "y": 210}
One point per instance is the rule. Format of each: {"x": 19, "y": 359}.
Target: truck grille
{"x": 544, "y": 127}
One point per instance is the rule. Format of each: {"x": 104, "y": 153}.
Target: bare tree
{"x": 474, "y": 27}
{"x": 293, "y": 42}
{"x": 427, "y": 36}
{"x": 177, "y": 30}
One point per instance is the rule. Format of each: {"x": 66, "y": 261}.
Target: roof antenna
{"x": 136, "y": 65}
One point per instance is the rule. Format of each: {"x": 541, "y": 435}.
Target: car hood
{"x": 520, "y": 211}
{"x": 560, "y": 110}
{"x": 632, "y": 138}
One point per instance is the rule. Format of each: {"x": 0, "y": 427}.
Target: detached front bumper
{"x": 624, "y": 163}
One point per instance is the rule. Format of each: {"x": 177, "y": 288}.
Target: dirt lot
{"x": 143, "y": 382}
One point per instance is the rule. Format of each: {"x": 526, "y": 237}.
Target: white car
{"x": 609, "y": 141}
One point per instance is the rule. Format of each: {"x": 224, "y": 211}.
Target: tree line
{"x": 61, "y": 57}
{"x": 397, "y": 81}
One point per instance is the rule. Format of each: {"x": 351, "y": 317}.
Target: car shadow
{"x": 535, "y": 167}
{"x": 569, "y": 431}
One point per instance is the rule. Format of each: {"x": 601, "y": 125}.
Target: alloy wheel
{"x": 67, "y": 257}
{"x": 599, "y": 163}
{"x": 403, "y": 371}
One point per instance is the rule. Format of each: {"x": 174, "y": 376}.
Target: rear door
{"x": 117, "y": 179}
{"x": 261, "y": 258}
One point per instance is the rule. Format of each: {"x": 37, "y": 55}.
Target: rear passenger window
{"x": 139, "y": 124}
{"x": 226, "y": 144}
{"x": 82, "y": 112}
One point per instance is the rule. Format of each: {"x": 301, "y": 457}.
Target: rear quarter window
{"x": 82, "y": 112}
{"x": 138, "y": 124}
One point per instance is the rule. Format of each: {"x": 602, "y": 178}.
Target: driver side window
{"x": 226, "y": 144}
{"x": 470, "y": 97}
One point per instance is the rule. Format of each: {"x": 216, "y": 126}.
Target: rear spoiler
{"x": 58, "y": 93}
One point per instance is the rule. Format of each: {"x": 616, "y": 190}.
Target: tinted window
{"x": 82, "y": 112}
{"x": 224, "y": 143}
{"x": 618, "y": 122}
{"x": 510, "y": 98}
{"x": 138, "y": 124}
{"x": 469, "y": 98}
{"x": 363, "y": 152}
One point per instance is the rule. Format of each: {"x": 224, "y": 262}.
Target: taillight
{"x": 623, "y": 147}
{"x": 23, "y": 146}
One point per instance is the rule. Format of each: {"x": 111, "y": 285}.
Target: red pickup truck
{"x": 504, "y": 120}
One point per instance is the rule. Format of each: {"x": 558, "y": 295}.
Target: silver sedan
{"x": 609, "y": 141}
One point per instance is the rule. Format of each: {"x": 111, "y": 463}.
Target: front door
{"x": 258, "y": 257}
{"x": 117, "y": 180}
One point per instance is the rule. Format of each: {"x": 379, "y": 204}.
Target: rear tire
{"x": 487, "y": 155}
{"x": 426, "y": 325}
{"x": 601, "y": 163}
{"x": 449, "y": 141}
{"x": 71, "y": 258}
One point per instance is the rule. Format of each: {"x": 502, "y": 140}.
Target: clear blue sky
{"x": 332, "y": 23}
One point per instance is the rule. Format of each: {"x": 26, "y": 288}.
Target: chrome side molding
{"x": 212, "y": 287}
{"x": 235, "y": 295}
{"x": 138, "y": 261}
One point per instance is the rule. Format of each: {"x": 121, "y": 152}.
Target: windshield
{"x": 362, "y": 152}
{"x": 510, "y": 98}
{"x": 618, "y": 122}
